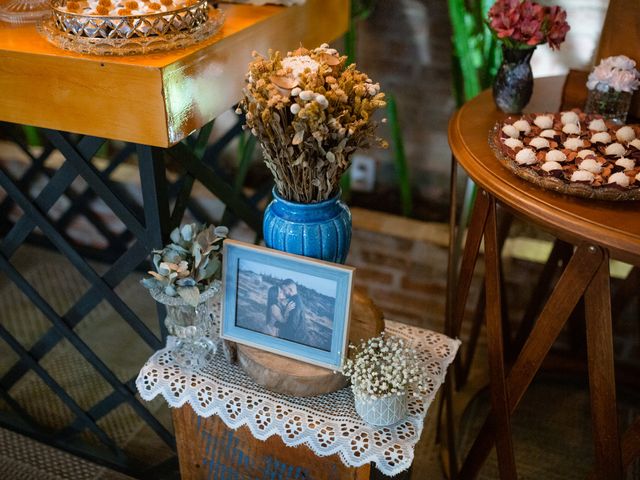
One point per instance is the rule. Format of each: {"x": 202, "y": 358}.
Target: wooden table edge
{"x": 538, "y": 210}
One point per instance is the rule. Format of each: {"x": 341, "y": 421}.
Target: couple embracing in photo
{"x": 286, "y": 312}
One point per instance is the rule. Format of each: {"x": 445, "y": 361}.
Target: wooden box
{"x": 209, "y": 450}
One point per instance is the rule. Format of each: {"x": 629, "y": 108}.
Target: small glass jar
{"x": 609, "y": 103}
{"x": 197, "y": 330}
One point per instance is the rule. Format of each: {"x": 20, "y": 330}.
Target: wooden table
{"x": 153, "y": 103}
{"x": 155, "y": 99}
{"x": 599, "y": 231}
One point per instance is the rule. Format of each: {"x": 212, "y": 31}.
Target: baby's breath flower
{"x": 384, "y": 365}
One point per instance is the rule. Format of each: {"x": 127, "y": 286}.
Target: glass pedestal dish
{"x": 24, "y": 11}
{"x": 130, "y": 34}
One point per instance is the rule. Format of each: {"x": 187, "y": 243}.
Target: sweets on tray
{"x": 129, "y": 27}
{"x": 572, "y": 152}
{"x": 118, "y": 8}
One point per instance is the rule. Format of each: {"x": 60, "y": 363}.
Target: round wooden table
{"x": 597, "y": 230}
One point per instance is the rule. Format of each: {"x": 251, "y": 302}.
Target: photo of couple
{"x": 285, "y": 313}
{"x": 286, "y": 304}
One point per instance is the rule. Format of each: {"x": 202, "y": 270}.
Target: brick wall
{"x": 405, "y": 45}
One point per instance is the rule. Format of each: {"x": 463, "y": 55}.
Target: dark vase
{"x": 513, "y": 85}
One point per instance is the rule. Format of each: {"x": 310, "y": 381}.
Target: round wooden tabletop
{"x": 612, "y": 225}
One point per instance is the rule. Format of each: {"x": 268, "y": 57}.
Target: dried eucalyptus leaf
{"x": 187, "y": 232}
{"x": 197, "y": 255}
{"x": 175, "y": 235}
{"x": 186, "y": 282}
{"x": 157, "y": 258}
{"x": 191, "y": 295}
{"x": 150, "y": 283}
{"x": 171, "y": 256}
{"x": 178, "y": 248}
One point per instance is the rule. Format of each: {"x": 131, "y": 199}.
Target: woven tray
{"x": 550, "y": 182}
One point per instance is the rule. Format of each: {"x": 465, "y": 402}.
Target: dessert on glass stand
{"x": 128, "y": 27}
{"x": 572, "y": 152}
{"x": 24, "y": 11}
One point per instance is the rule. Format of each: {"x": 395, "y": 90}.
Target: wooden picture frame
{"x": 293, "y": 306}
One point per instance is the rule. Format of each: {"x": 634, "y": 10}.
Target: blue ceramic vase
{"x": 318, "y": 230}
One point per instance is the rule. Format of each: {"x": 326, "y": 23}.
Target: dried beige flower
{"x": 310, "y": 112}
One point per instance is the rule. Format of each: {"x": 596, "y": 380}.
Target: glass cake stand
{"x": 24, "y": 11}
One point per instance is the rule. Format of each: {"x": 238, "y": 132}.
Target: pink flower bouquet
{"x": 611, "y": 85}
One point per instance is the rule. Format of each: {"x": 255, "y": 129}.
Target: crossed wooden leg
{"x": 586, "y": 275}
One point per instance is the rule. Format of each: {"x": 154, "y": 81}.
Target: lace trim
{"x": 328, "y": 424}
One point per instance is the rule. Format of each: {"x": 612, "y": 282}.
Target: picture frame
{"x": 290, "y": 305}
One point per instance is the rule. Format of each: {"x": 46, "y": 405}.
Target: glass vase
{"x": 197, "y": 329}
{"x": 609, "y": 103}
{"x": 318, "y": 230}
{"x": 513, "y": 85}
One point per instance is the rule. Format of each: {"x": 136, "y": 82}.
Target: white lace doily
{"x": 327, "y": 424}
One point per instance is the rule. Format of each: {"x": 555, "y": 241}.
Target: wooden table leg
{"x": 601, "y": 374}
{"x": 452, "y": 267}
{"x": 560, "y": 255}
{"x": 631, "y": 444}
{"x": 471, "y": 342}
{"x": 570, "y": 288}
{"x": 493, "y": 312}
{"x": 452, "y": 258}
{"x": 469, "y": 258}
{"x": 624, "y": 294}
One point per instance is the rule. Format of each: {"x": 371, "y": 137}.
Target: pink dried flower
{"x": 557, "y": 26}
{"x": 522, "y": 23}
{"x": 532, "y": 20}
{"x": 504, "y": 16}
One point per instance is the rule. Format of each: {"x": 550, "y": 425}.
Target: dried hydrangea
{"x": 384, "y": 365}
{"x": 190, "y": 263}
{"x": 617, "y": 73}
{"x": 310, "y": 112}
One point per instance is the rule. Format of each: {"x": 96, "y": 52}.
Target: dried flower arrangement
{"x": 384, "y": 365}
{"x": 190, "y": 263}
{"x": 525, "y": 24}
{"x": 310, "y": 112}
